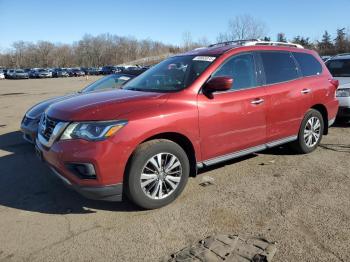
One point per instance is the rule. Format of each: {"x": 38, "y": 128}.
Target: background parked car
{"x": 90, "y": 70}
{"x": 32, "y": 73}
{"x": 17, "y": 74}
{"x": 58, "y": 72}
{"x": 2, "y": 74}
{"x": 339, "y": 66}
{"x": 29, "y": 125}
{"x": 76, "y": 72}
{"x": 40, "y": 73}
{"x": 106, "y": 70}
{"x": 9, "y": 73}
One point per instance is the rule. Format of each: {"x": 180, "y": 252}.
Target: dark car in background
{"x": 29, "y": 125}
{"x": 107, "y": 70}
{"x": 76, "y": 72}
{"x": 40, "y": 73}
{"x": 90, "y": 70}
{"x": 58, "y": 72}
{"x": 135, "y": 70}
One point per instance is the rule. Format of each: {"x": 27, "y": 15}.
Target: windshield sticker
{"x": 124, "y": 78}
{"x": 204, "y": 58}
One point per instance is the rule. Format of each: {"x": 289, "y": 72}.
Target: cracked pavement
{"x": 299, "y": 201}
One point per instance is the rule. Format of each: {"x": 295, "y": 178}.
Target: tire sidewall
{"x": 311, "y": 113}
{"x": 139, "y": 159}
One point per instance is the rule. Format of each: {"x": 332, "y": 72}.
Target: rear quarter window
{"x": 308, "y": 64}
{"x": 278, "y": 67}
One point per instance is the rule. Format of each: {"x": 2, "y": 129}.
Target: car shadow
{"x": 206, "y": 169}
{"x": 341, "y": 123}
{"x": 341, "y": 148}
{"x": 27, "y": 184}
{"x": 282, "y": 150}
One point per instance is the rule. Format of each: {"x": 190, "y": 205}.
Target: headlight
{"x": 92, "y": 131}
{"x": 343, "y": 92}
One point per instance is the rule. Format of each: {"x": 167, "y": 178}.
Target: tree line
{"x": 104, "y": 49}
{"x": 107, "y": 49}
{"x": 248, "y": 27}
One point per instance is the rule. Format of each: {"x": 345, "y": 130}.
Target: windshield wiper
{"x": 136, "y": 89}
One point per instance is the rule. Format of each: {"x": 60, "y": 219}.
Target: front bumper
{"x": 105, "y": 193}
{"x": 29, "y": 128}
{"x": 107, "y": 185}
{"x": 21, "y": 77}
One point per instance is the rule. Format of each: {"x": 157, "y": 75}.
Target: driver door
{"x": 233, "y": 120}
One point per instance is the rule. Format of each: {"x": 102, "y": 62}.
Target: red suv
{"x": 191, "y": 110}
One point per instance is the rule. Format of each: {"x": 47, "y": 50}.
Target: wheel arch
{"x": 324, "y": 112}
{"x": 183, "y": 141}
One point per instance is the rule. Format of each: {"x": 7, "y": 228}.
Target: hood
{"x": 107, "y": 105}
{"x": 38, "y": 109}
{"x": 343, "y": 82}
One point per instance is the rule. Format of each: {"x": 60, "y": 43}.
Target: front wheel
{"x": 310, "y": 133}
{"x": 157, "y": 173}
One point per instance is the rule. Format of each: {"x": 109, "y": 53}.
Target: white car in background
{"x": 339, "y": 66}
{"x": 2, "y": 74}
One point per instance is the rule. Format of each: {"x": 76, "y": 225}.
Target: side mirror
{"x": 219, "y": 83}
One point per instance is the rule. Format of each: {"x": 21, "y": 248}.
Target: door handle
{"x": 306, "y": 91}
{"x": 257, "y": 101}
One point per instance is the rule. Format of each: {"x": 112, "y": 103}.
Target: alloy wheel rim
{"x": 312, "y": 131}
{"x": 161, "y": 175}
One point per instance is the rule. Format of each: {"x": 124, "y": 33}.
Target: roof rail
{"x": 259, "y": 42}
{"x": 233, "y": 42}
{"x": 253, "y": 42}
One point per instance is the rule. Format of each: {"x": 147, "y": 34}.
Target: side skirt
{"x": 244, "y": 152}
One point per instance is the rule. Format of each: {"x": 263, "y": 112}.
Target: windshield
{"x": 20, "y": 71}
{"x": 108, "y": 82}
{"x": 173, "y": 74}
{"x": 339, "y": 67}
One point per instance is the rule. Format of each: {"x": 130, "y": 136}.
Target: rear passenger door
{"x": 287, "y": 97}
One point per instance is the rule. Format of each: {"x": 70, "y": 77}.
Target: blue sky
{"x": 64, "y": 21}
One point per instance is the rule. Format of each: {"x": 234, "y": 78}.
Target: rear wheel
{"x": 157, "y": 173}
{"x": 310, "y": 133}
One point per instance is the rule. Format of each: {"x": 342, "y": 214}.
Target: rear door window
{"x": 242, "y": 69}
{"x": 278, "y": 67}
{"x": 309, "y": 65}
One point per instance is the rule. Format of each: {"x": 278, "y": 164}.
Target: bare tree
{"x": 187, "y": 40}
{"x": 243, "y": 27}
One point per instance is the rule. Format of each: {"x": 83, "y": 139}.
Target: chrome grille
{"x": 47, "y": 125}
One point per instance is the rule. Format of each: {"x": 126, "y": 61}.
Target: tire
{"x": 145, "y": 161}
{"x": 303, "y": 145}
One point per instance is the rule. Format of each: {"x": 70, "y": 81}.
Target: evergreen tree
{"x": 326, "y": 46}
{"x": 304, "y": 41}
{"x": 281, "y": 37}
{"x": 340, "y": 42}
